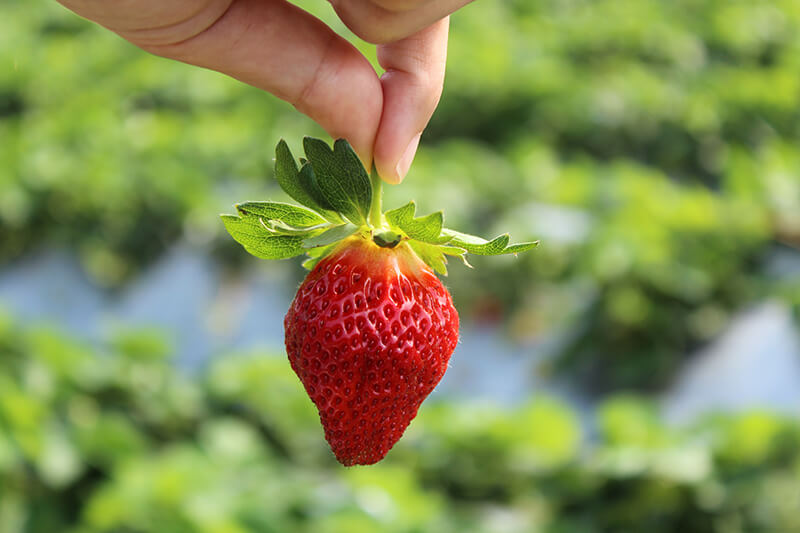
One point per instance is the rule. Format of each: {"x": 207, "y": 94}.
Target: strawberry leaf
{"x": 280, "y": 228}
{"x": 308, "y": 180}
{"x": 432, "y": 255}
{"x": 315, "y": 255}
{"x": 478, "y": 246}
{"x": 521, "y": 247}
{"x": 427, "y": 229}
{"x": 259, "y": 241}
{"x": 341, "y": 178}
{"x": 455, "y": 251}
{"x": 331, "y": 236}
{"x": 298, "y": 185}
{"x": 289, "y": 214}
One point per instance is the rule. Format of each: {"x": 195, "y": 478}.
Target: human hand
{"x": 278, "y": 47}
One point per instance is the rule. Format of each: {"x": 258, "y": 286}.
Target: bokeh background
{"x": 639, "y": 371}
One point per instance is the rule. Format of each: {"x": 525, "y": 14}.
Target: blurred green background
{"x": 653, "y": 147}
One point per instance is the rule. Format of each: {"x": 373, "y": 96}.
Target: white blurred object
{"x": 754, "y": 364}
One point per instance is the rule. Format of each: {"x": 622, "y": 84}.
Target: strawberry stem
{"x": 375, "y": 211}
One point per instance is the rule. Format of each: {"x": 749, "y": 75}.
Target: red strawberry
{"x": 369, "y": 334}
{"x": 371, "y": 329}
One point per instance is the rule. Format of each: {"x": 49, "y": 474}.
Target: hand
{"x": 278, "y": 47}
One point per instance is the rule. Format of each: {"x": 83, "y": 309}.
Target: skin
{"x": 280, "y": 48}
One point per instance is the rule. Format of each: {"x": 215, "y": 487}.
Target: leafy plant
{"x": 111, "y": 437}
{"x": 341, "y": 200}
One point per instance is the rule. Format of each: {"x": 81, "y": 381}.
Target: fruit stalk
{"x": 376, "y": 208}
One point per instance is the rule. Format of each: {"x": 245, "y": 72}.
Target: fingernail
{"x": 408, "y": 157}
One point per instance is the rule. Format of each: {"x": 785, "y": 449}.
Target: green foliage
{"x": 111, "y": 438}
{"x": 669, "y": 130}
{"x": 427, "y": 229}
{"x": 260, "y": 241}
{"x": 341, "y": 178}
{"x": 497, "y": 246}
{"x": 300, "y": 185}
{"x": 653, "y": 146}
{"x": 337, "y": 184}
{"x": 275, "y": 212}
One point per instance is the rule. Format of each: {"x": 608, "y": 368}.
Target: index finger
{"x": 386, "y": 21}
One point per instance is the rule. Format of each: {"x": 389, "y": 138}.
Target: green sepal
{"x": 330, "y": 236}
{"x": 455, "y": 251}
{"x": 308, "y": 180}
{"x": 521, "y": 247}
{"x": 298, "y": 185}
{"x": 431, "y": 254}
{"x": 478, "y": 246}
{"x": 282, "y": 228}
{"x": 427, "y": 229}
{"x": 288, "y": 214}
{"x": 251, "y": 233}
{"x": 315, "y": 255}
{"x": 341, "y": 178}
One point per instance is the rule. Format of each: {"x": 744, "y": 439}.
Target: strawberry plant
{"x": 371, "y": 329}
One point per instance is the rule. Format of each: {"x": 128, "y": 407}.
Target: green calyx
{"x": 341, "y": 199}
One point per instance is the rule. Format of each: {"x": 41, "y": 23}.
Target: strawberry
{"x": 371, "y": 329}
{"x": 370, "y": 334}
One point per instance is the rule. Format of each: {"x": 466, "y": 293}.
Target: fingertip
{"x": 392, "y": 181}
{"x": 366, "y": 159}
{"x": 404, "y": 164}
{"x": 394, "y": 166}
{"x": 388, "y": 173}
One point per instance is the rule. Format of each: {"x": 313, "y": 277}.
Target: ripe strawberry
{"x": 371, "y": 329}
{"x": 369, "y": 334}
